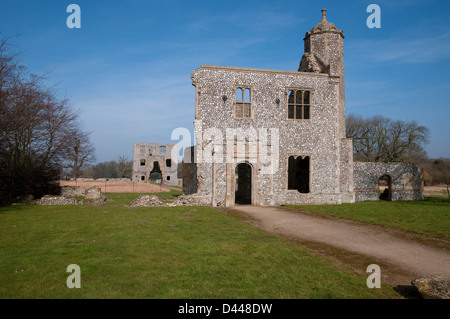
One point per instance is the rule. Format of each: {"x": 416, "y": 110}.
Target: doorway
{"x": 385, "y": 187}
{"x": 243, "y": 193}
{"x": 298, "y": 173}
{"x": 155, "y": 174}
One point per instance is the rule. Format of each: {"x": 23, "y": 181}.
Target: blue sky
{"x": 127, "y": 69}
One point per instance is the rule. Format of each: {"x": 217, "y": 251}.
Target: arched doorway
{"x": 243, "y": 193}
{"x": 385, "y": 187}
{"x": 155, "y": 174}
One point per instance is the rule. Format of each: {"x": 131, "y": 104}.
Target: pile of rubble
{"x": 146, "y": 201}
{"x": 71, "y": 191}
{"x": 93, "y": 197}
{"x": 152, "y": 200}
{"x": 58, "y": 200}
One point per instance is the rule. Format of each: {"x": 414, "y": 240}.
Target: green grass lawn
{"x": 159, "y": 252}
{"x": 430, "y": 216}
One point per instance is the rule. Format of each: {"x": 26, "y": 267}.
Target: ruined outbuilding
{"x": 267, "y": 137}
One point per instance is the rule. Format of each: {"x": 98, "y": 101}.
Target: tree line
{"x": 122, "y": 168}
{"x": 40, "y": 134}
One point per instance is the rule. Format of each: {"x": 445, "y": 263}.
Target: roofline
{"x": 238, "y": 69}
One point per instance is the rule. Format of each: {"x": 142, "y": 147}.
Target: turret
{"x": 324, "y": 53}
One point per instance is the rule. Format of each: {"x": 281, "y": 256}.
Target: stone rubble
{"x": 58, "y": 200}
{"x": 437, "y": 287}
{"x": 93, "y": 193}
{"x": 71, "y": 191}
{"x": 147, "y": 201}
{"x": 141, "y": 201}
{"x": 186, "y": 200}
{"x": 93, "y": 197}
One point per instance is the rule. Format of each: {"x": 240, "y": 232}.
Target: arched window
{"x": 247, "y": 95}
{"x": 243, "y": 106}
{"x": 239, "y": 95}
{"x": 299, "y": 104}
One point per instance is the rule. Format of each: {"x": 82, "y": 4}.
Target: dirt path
{"x": 402, "y": 255}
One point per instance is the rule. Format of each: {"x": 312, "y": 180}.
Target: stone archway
{"x": 243, "y": 188}
{"x": 385, "y": 186}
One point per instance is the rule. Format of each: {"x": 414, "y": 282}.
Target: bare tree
{"x": 404, "y": 141}
{"x": 80, "y": 153}
{"x": 124, "y": 167}
{"x": 36, "y": 131}
{"x": 380, "y": 139}
{"x": 369, "y": 136}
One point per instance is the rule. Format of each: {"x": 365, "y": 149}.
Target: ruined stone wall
{"x": 189, "y": 173}
{"x": 407, "y": 181}
{"x": 151, "y": 152}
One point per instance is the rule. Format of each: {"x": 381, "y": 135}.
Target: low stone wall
{"x": 189, "y": 200}
{"x": 407, "y": 181}
{"x": 58, "y": 200}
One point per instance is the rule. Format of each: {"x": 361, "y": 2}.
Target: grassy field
{"x": 159, "y": 252}
{"x": 430, "y": 216}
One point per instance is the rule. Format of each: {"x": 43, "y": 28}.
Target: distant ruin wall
{"x": 189, "y": 173}
{"x": 407, "y": 181}
{"x": 151, "y": 158}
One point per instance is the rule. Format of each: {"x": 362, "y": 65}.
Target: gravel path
{"x": 399, "y": 250}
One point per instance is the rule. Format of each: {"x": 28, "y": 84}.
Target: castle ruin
{"x": 267, "y": 137}
{"x": 155, "y": 162}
